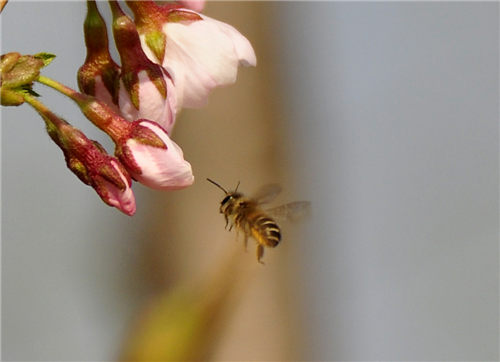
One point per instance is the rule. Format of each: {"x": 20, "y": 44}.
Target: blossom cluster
{"x": 171, "y": 57}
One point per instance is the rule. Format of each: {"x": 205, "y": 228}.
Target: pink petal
{"x": 202, "y": 55}
{"x": 163, "y": 169}
{"x": 122, "y": 200}
{"x": 243, "y": 48}
{"x": 152, "y": 105}
{"x": 102, "y": 94}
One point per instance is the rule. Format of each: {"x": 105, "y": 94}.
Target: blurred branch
{"x": 184, "y": 323}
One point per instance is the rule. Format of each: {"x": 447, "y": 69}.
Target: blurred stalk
{"x": 185, "y": 322}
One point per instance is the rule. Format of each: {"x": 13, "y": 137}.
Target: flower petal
{"x": 202, "y": 55}
{"x": 152, "y": 105}
{"x": 123, "y": 200}
{"x": 161, "y": 168}
{"x": 102, "y": 93}
{"x": 243, "y": 48}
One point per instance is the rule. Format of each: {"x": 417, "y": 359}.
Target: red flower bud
{"x": 93, "y": 166}
{"x": 145, "y": 89}
{"x": 143, "y": 147}
{"x": 99, "y": 74}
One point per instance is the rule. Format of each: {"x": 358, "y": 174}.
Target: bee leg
{"x": 260, "y": 253}
{"x": 247, "y": 231}
{"x": 231, "y": 227}
{"x": 245, "y": 241}
{"x": 227, "y": 222}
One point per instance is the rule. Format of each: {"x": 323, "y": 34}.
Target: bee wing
{"x": 291, "y": 212}
{"x": 267, "y": 193}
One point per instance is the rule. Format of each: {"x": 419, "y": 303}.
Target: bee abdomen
{"x": 269, "y": 232}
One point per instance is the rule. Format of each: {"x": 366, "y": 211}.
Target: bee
{"x": 247, "y": 215}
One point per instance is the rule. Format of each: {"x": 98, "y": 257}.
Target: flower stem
{"x": 97, "y": 112}
{"x": 67, "y": 91}
{"x": 48, "y": 116}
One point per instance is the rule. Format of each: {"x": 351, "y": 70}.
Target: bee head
{"x": 226, "y": 201}
{"x": 229, "y": 200}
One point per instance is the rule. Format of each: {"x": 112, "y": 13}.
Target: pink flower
{"x": 199, "y": 52}
{"x": 152, "y": 104}
{"x": 202, "y": 55}
{"x": 142, "y": 146}
{"x": 153, "y": 159}
{"x": 145, "y": 89}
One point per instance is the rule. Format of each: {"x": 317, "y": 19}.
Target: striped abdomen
{"x": 264, "y": 230}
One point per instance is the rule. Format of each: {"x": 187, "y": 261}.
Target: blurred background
{"x": 383, "y": 115}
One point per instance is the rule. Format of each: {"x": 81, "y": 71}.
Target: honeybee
{"x": 247, "y": 215}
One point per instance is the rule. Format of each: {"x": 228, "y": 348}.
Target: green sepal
{"x": 46, "y": 58}
{"x": 177, "y": 15}
{"x": 151, "y": 141}
{"x": 110, "y": 78}
{"x": 156, "y": 41}
{"x": 131, "y": 82}
{"x": 146, "y": 136}
{"x": 157, "y": 77}
{"x": 78, "y": 168}
{"x": 110, "y": 174}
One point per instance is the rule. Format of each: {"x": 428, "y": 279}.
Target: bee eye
{"x": 226, "y": 199}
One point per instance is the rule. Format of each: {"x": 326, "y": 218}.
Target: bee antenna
{"x": 216, "y": 184}
{"x": 236, "y": 189}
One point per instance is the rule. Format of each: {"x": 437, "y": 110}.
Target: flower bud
{"x": 200, "y": 53}
{"x": 93, "y": 166}
{"x": 17, "y": 73}
{"x": 145, "y": 89}
{"x": 19, "y": 70}
{"x": 97, "y": 76}
{"x": 153, "y": 159}
{"x": 143, "y": 147}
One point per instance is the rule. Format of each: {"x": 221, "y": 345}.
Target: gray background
{"x": 394, "y": 108}
{"x": 392, "y": 112}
